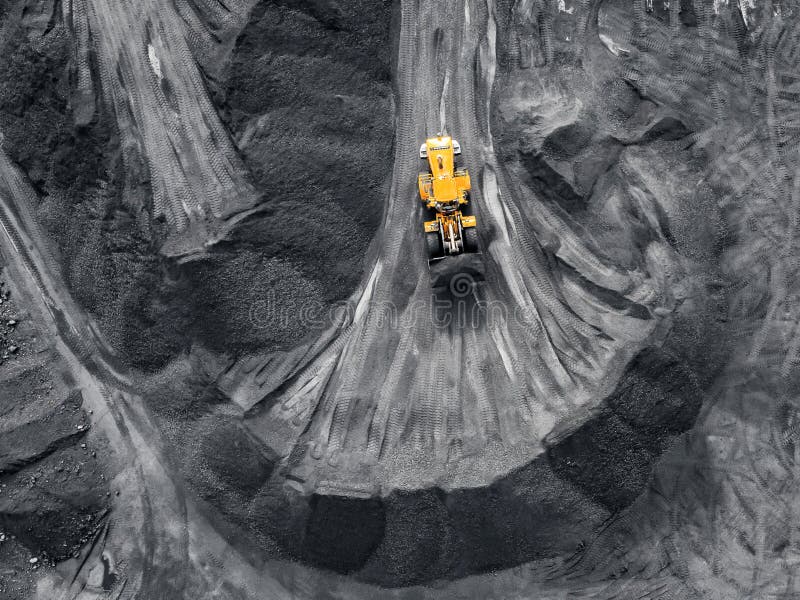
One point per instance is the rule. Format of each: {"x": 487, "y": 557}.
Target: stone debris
{"x": 8, "y": 345}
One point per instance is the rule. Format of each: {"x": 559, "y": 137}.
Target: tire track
{"x": 547, "y": 364}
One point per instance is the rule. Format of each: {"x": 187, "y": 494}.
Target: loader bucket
{"x": 458, "y": 273}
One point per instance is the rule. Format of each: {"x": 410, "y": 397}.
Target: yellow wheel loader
{"x": 444, "y": 189}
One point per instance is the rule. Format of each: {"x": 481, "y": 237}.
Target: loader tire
{"x": 434, "y": 244}
{"x": 470, "y": 240}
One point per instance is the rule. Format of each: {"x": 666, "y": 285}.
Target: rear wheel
{"x": 470, "y": 239}
{"x": 434, "y": 244}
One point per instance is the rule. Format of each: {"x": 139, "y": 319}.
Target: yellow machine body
{"x": 444, "y": 190}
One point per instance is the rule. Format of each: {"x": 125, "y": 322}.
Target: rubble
{"x": 9, "y": 343}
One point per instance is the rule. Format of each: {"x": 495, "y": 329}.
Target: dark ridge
{"x": 611, "y": 457}
{"x": 12, "y": 461}
{"x": 548, "y": 508}
{"x": 666, "y": 128}
{"x": 613, "y": 299}
{"x": 342, "y": 533}
{"x": 549, "y": 184}
{"x": 31, "y": 442}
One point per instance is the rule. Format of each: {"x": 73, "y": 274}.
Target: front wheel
{"x": 433, "y": 243}
{"x": 470, "y": 240}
